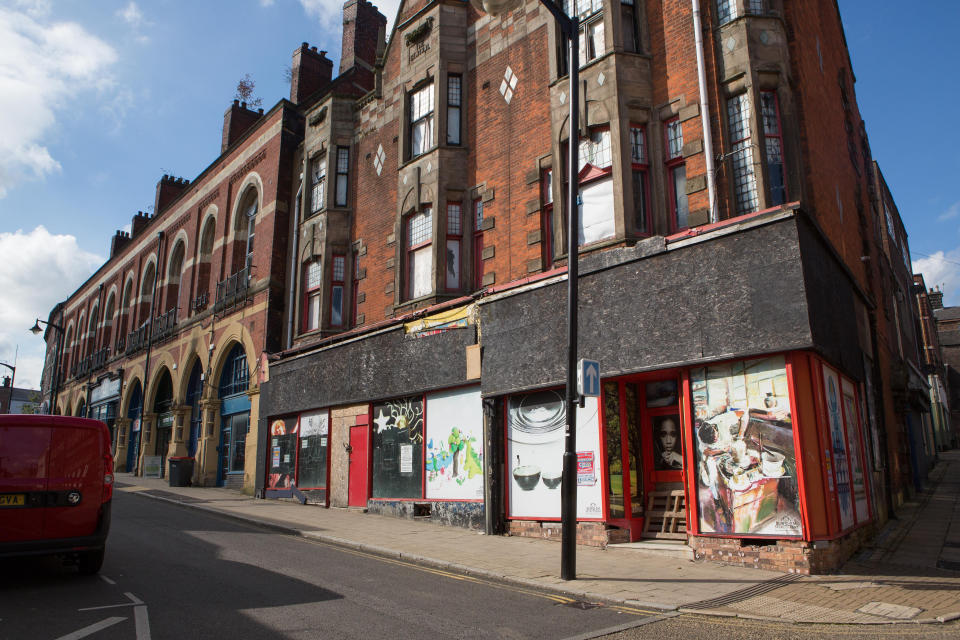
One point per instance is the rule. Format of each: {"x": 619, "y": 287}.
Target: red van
{"x": 56, "y": 486}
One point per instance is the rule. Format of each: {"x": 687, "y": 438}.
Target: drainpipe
{"x": 705, "y": 113}
{"x": 146, "y": 363}
{"x": 293, "y": 264}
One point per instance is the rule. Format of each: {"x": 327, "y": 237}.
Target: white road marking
{"x": 106, "y": 579}
{"x": 92, "y": 629}
{"x": 134, "y": 599}
{"x": 142, "y": 621}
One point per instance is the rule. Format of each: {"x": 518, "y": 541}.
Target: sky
{"x": 99, "y": 99}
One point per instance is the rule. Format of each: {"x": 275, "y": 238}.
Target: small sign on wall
{"x": 586, "y": 474}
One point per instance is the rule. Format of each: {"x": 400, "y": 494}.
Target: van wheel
{"x": 90, "y": 562}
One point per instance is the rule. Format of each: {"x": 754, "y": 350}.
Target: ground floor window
{"x": 283, "y": 453}
{"x": 233, "y": 442}
{"x": 312, "y": 452}
{"x": 398, "y": 448}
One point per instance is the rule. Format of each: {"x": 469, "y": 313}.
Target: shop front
{"x": 298, "y": 454}
{"x": 105, "y": 402}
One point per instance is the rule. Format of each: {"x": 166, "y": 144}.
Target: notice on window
{"x": 586, "y": 474}
{"x": 406, "y": 458}
{"x": 275, "y": 458}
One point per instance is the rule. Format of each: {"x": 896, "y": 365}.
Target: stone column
{"x": 250, "y": 445}
{"x": 181, "y": 432}
{"x": 205, "y": 468}
{"x": 123, "y": 441}
{"x": 149, "y": 432}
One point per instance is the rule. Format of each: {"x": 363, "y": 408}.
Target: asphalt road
{"x": 174, "y": 572}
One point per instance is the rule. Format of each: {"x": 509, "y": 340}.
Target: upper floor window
{"x": 639, "y": 167}
{"x": 596, "y": 187}
{"x": 337, "y": 273}
{"x": 318, "y": 184}
{"x": 421, "y": 120}
{"x": 235, "y": 377}
{"x": 755, "y": 7}
{"x": 630, "y": 23}
{"x": 773, "y": 146}
{"x": 592, "y": 45}
{"x": 454, "y": 104}
{"x": 595, "y": 149}
{"x": 676, "y": 174}
{"x": 546, "y": 221}
{"x": 741, "y": 154}
{"x": 312, "y": 294}
{"x": 454, "y": 246}
{"x": 419, "y": 253}
{"x": 343, "y": 173}
{"x": 726, "y": 10}
{"x": 251, "y": 230}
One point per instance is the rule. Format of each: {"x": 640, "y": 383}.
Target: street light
{"x": 55, "y": 383}
{"x": 570, "y": 27}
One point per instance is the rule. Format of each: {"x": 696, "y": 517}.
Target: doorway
{"x": 644, "y": 456}
{"x": 359, "y": 474}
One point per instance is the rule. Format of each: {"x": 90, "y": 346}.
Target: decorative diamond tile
{"x": 601, "y": 78}
{"x": 508, "y": 85}
{"x": 563, "y": 97}
{"x": 404, "y": 179}
{"x": 429, "y": 167}
{"x": 379, "y": 159}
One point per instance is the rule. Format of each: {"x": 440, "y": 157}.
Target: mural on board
{"x": 283, "y": 453}
{"x": 455, "y": 445}
{"x": 398, "y": 448}
{"x": 841, "y": 467}
{"x": 535, "y": 444}
{"x": 746, "y": 463}
{"x": 856, "y": 457}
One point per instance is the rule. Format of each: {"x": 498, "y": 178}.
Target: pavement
{"x": 909, "y": 574}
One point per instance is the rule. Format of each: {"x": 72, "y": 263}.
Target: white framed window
{"x": 741, "y": 154}
{"x": 421, "y": 120}
{"x": 419, "y": 252}
{"x": 318, "y": 184}
{"x": 343, "y": 173}
{"x": 454, "y": 104}
{"x": 312, "y": 292}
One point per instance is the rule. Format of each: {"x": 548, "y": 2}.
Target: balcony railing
{"x": 200, "y": 303}
{"x": 233, "y": 290}
{"x": 165, "y": 324}
{"x": 137, "y": 339}
{"x": 99, "y": 359}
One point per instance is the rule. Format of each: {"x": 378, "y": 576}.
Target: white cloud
{"x": 942, "y": 269}
{"x": 133, "y": 16}
{"x": 952, "y": 212}
{"x": 44, "y": 67}
{"x": 266, "y": 3}
{"x": 39, "y": 270}
{"x": 330, "y": 12}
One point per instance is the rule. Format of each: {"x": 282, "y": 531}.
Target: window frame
{"x": 630, "y": 27}
{"x": 454, "y": 234}
{"x": 455, "y": 109}
{"x": 640, "y": 166}
{"x": 427, "y": 118}
{"x": 673, "y": 161}
{"x": 727, "y": 11}
{"x": 337, "y": 279}
{"x": 411, "y": 249}
{"x": 546, "y": 218}
{"x": 745, "y": 190}
{"x": 778, "y": 138}
{"x": 309, "y": 293}
{"x": 342, "y": 178}
{"x": 318, "y": 183}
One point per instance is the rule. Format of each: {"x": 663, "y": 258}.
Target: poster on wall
{"x": 398, "y": 448}
{"x": 838, "y": 446}
{"x": 283, "y": 454}
{"x": 746, "y": 462}
{"x": 855, "y": 447}
{"x": 454, "y": 463}
{"x": 535, "y": 443}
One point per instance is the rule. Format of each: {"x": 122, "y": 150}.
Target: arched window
{"x": 245, "y": 229}
{"x": 235, "y": 377}
{"x": 146, "y": 292}
{"x": 235, "y": 416}
{"x": 204, "y": 264}
{"x": 126, "y": 302}
{"x": 92, "y": 329}
{"x": 251, "y": 214}
{"x": 107, "y": 338}
{"x": 173, "y": 277}
{"x": 67, "y": 353}
{"x": 78, "y": 346}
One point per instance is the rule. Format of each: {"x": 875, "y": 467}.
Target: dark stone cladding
{"x": 384, "y": 365}
{"x": 755, "y": 289}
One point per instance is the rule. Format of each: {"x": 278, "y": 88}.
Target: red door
{"x": 359, "y": 473}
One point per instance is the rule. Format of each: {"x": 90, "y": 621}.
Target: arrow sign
{"x": 588, "y": 378}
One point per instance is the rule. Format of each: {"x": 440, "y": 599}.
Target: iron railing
{"x": 232, "y": 290}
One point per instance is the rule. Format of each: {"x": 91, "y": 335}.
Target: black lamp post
{"x": 570, "y": 27}
{"x": 55, "y": 383}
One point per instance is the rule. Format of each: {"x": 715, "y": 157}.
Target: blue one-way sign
{"x": 588, "y": 378}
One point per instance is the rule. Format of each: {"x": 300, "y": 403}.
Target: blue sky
{"x": 99, "y": 99}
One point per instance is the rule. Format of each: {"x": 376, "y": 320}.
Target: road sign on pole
{"x": 588, "y": 378}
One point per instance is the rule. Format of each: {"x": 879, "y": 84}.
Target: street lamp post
{"x": 55, "y": 383}
{"x": 570, "y": 27}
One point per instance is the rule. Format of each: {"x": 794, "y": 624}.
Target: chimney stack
{"x": 138, "y": 224}
{"x": 119, "y": 242}
{"x": 168, "y": 189}
{"x": 237, "y": 120}
{"x": 363, "y": 28}
{"x": 936, "y": 298}
{"x": 310, "y": 71}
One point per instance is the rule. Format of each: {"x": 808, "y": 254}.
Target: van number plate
{"x": 12, "y": 500}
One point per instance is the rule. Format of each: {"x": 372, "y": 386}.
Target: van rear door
{"x": 24, "y": 465}
{"x": 76, "y": 464}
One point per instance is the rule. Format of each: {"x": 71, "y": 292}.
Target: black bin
{"x": 181, "y": 470}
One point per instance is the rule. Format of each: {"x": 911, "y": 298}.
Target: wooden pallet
{"x": 666, "y": 515}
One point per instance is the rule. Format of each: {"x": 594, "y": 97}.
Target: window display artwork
{"x": 854, "y": 438}
{"x": 746, "y": 462}
{"x": 454, "y": 463}
{"x": 838, "y": 440}
{"x": 535, "y": 443}
{"x": 667, "y": 454}
{"x": 283, "y": 454}
{"x": 398, "y": 448}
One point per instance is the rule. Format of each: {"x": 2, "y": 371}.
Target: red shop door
{"x": 359, "y": 473}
